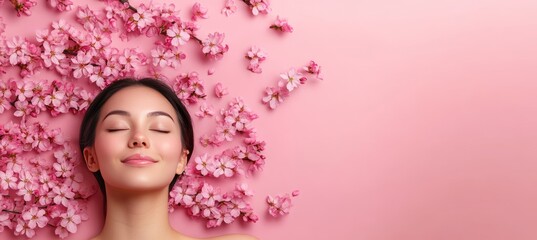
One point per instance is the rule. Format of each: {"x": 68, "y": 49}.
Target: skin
{"x": 139, "y": 120}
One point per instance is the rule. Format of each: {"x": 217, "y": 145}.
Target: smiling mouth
{"x": 138, "y": 160}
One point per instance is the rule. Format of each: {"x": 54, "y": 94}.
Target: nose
{"x": 138, "y": 140}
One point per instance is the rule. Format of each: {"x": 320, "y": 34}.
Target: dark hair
{"x": 89, "y": 122}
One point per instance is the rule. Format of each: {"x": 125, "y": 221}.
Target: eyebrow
{"x": 127, "y": 114}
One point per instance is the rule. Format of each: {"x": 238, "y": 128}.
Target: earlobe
{"x": 91, "y": 161}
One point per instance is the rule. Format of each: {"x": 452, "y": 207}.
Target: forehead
{"x": 137, "y": 99}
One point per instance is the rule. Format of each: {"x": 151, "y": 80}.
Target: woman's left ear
{"x": 182, "y": 162}
{"x": 90, "y": 159}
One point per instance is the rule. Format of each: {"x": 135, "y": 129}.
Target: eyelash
{"x": 117, "y": 130}
{"x": 160, "y": 131}
{"x": 114, "y": 130}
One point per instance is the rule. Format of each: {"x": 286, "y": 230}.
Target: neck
{"x": 137, "y": 215}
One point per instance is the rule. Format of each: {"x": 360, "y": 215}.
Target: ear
{"x": 90, "y": 159}
{"x": 182, "y": 162}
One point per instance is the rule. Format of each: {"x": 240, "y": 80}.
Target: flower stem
{"x": 130, "y": 6}
{"x": 197, "y": 39}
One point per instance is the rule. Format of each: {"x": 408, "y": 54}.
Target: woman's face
{"x": 137, "y": 141}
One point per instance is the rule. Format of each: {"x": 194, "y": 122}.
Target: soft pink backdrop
{"x": 424, "y": 128}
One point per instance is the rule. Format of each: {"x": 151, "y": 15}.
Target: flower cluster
{"x": 235, "y": 119}
{"x": 256, "y": 56}
{"x": 258, "y": 6}
{"x": 23, "y": 6}
{"x": 280, "y": 204}
{"x": 282, "y": 25}
{"x": 30, "y": 98}
{"x": 289, "y": 82}
{"x": 39, "y": 181}
{"x": 85, "y": 53}
{"x": 247, "y": 157}
{"x": 189, "y": 88}
{"x": 205, "y": 201}
{"x": 72, "y": 53}
{"x": 44, "y": 189}
{"x": 22, "y": 53}
{"x": 164, "y": 20}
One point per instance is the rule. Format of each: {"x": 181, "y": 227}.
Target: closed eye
{"x": 116, "y": 129}
{"x": 160, "y": 131}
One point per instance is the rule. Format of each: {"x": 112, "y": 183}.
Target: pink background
{"x": 424, "y": 127}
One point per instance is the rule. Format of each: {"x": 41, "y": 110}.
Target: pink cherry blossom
{"x": 229, "y": 8}
{"x": 290, "y": 80}
{"x": 225, "y": 132}
{"x": 35, "y": 217}
{"x": 52, "y": 54}
{"x": 189, "y": 87}
{"x": 97, "y": 77}
{"x": 210, "y": 71}
{"x": 279, "y": 205}
{"x": 314, "y": 68}
{"x": 17, "y": 50}
{"x": 198, "y": 12}
{"x": 214, "y": 46}
{"x": 23, "y": 90}
{"x": 81, "y": 65}
{"x": 62, "y": 195}
{"x": 282, "y": 25}
{"x": 220, "y": 90}
{"x": 208, "y": 195}
{"x": 224, "y": 166}
{"x": 260, "y": 6}
{"x": 70, "y": 220}
{"x": 256, "y": 56}
{"x": 54, "y": 99}
{"x": 183, "y": 195}
{"x": 179, "y": 35}
{"x": 7, "y": 180}
{"x": 274, "y": 96}
{"x": 205, "y": 111}
{"x": 99, "y": 39}
{"x": 129, "y": 60}
{"x": 22, "y": 109}
{"x": 143, "y": 18}
{"x": 244, "y": 189}
{"x": 61, "y": 25}
{"x": 161, "y": 57}
{"x": 23, "y": 6}
{"x": 177, "y": 57}
{"x": 204, "y": 164}
{"x": 22, "y": 228}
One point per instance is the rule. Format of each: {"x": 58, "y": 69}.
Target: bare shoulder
{"x": 233, "y": 237}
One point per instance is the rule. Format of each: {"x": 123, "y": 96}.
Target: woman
{"x": 136, "y": 137}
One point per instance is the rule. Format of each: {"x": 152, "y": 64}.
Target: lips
{"x": 138, "y": 160}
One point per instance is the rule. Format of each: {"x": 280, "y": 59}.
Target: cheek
{"x": 169, "y": 147}
{"x": 107, "y": 145}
